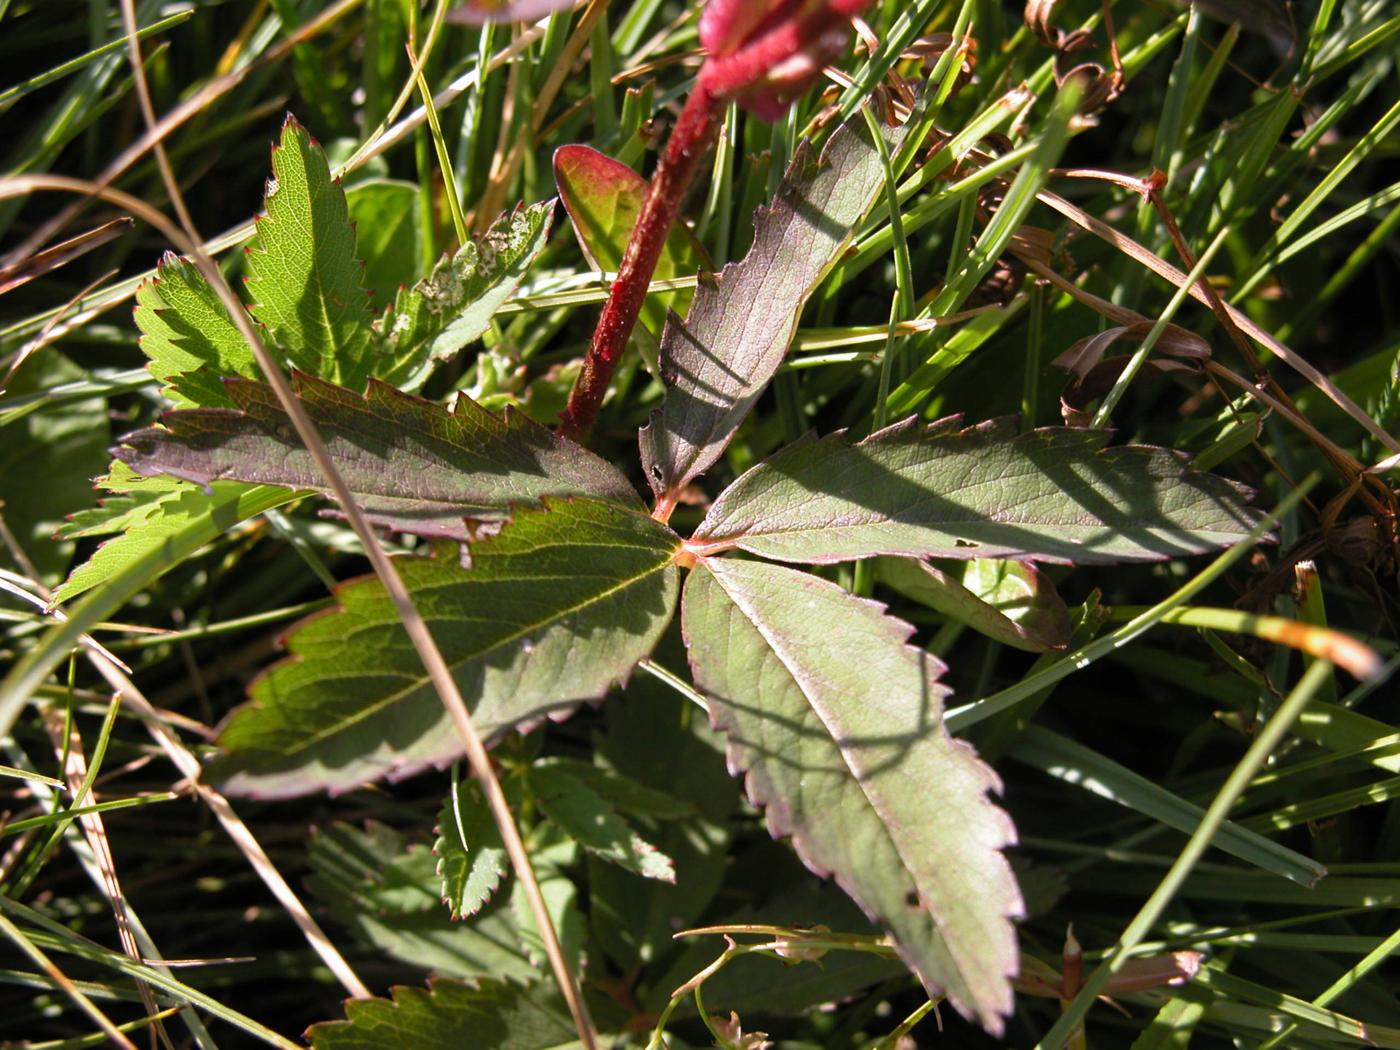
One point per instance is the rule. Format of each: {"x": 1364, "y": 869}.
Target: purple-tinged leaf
{"x": 1052, "y": 494}
{"x": 837, "y": 723}
{"x": 413, "y": 465}
{"x": 1009, "y": 601}
{"x": 526, "y": 633}
{"x": 719, "y": 359}
{"x": 603, "y": 198}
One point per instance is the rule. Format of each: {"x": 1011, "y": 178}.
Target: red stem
{"x": 689, "y": 140}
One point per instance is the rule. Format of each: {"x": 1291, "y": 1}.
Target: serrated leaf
{"x": 129, "y": 502}
{"x": 524, "y": 632}
{"x": 188, "y": 335}
{"x": 1053, "y": 494}
{"x": 603, "y": 197}
{"x": 717, "y": 362}
{"x": 837, "y": 723}
{"x": 587, "y": 818}
{"x": 413, "y": 465}
{"x": 471, "y": 856}
{"x": 302, "y": 270}
{"x": 453, "y": 305}
{"x": 1009, "y": 601}
{"x": 449, "y": 1015}
{"x": 168, "y": 528}
{"x": 345, "y": 859}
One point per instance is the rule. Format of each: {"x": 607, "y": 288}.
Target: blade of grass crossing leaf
{"x": 1139, "y": 357}
{"x": 1235, "y": 784}
{"x": 961, "y": 718}
{"x": 518, "y": 637}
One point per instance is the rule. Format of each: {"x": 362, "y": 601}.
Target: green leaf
{"x": 603, "y": 198}
{"x": 587, "y": 818}
{"x": 129, "y": 503}
{"x": 448, "y": 1015}
{"x": 551, "y": 858}
{"x": 471, "y": 856}
{"x": 302, "y": 269}
{"x": 453, "y": 305}
{"x": 1052, "y": 494}
{"x": 837, "y": 723}
{"x": 188, "y": 335}
{"x": 1009, "y": 601}
{"x": 653, "y": 735}
{"x": 163, "y": 528}
{"x": 717, "y": 362}
{"x": 374, "y": 870}
{"x": 347, "y": 866}
{"x": 413, "y": 465}
{"x": 525, "y": 634}
{"x": 621, "y": 792}
{"x": 387, "y": 235}
{"x": 46, "y": 460}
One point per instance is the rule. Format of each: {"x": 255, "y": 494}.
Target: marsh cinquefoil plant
{"x": 549, "y": 580}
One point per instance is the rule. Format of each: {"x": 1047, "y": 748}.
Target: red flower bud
{"x": 765, "y": 55}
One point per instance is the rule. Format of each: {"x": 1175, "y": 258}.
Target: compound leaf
{"x": 302, "y": 269}
{"x": 486, "y": 1015}
{"x": 717, "y": 362}
{"x": 557, "y": 606}
{"x": 413, "y": 465}
{"x": 837, "y": 723}
{"x": 188, "y": 335}
{"x": 453, "y": 305}
{"x": 1053, "y": 494}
